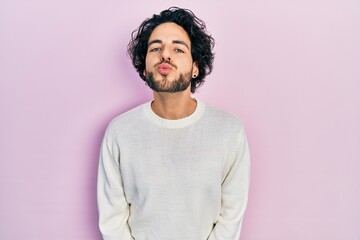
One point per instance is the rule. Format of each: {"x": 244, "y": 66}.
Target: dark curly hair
{"x": 202, "y": 43}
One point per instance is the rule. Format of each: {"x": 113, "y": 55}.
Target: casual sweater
{"x": 161, "y": 179}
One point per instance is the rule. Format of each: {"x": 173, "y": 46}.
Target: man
{"x": 173, "y": 168}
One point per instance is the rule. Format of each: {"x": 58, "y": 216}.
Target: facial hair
{"x": 178, "y": 85}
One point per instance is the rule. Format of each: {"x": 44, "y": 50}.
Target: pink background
{"x": 290, "y": 69}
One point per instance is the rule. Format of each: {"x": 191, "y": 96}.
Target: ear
{"x": 195, "y": 70}
{"x": 144, "y": 73}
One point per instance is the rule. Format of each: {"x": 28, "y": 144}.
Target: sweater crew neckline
{"x": 178, "y": 123}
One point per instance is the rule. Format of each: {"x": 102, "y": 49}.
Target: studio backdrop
{"x": 289, "y": 69}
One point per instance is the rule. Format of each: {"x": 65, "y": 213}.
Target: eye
{"x": 154, "y": 49}
{"x": 179, "y": 50}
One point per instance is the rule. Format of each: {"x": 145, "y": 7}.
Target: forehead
{"x": 169, "y": 31}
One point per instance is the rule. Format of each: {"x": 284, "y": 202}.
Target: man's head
{"x": 172, "y": 50}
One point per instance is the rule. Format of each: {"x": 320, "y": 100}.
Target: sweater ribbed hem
{"x": 178, "y": 123}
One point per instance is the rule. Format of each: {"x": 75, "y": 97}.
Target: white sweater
{"x": 185, "y": 179}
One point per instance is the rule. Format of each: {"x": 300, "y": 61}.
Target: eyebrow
{"x": 174, "y": 42}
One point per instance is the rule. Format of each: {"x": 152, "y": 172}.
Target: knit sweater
{"x": 161, "y": 179}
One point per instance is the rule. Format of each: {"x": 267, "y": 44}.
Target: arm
{"x": 112, "y": 205}
{"x": 234, "y": 196}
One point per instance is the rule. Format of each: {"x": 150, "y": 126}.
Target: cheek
{"x": 187, "y": 65}
{"x": 150, "y": 60}
{"x": 147, "y": 63}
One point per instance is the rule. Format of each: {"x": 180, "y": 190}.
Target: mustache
{"x": 167, "y": 62}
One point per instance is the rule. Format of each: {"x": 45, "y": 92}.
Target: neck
{"x": 173, "y": 106}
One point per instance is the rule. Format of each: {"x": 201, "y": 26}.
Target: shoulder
{"x": 126, "y": 120}
{"x": 223, "y": 119}
{"x": 224, "y": 126}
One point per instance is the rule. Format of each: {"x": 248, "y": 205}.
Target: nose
{"x": 165, "y": 54}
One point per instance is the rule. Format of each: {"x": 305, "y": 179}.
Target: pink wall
{"x": 290, "y": 69}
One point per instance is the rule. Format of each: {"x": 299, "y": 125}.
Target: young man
{"x": 173, "y": 168}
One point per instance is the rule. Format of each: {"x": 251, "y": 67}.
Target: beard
{"x": 164, "y": 85}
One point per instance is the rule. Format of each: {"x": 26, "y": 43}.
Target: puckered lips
{"x": 164, "y": 69}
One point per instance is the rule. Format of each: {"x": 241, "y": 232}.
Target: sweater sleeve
{"x": 234, "y": 195}
{"x": 112, "y": 205}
